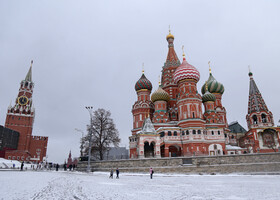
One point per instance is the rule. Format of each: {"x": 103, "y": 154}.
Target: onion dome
{"x": 160, "y": 95}
{"x": 169, "y": 36}
{"x": 207, "y": 95}
{"x": 186, "y": 71}
{"x": 213, "y": 86}
{"x": 143, "y": 84}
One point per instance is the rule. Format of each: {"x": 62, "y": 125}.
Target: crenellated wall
{"x": 245, "y": 163}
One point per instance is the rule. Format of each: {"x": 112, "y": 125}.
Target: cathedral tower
{"x": 171, "y": 64}
{"x": 189, "y": 101}
{"x": 20, "y": 117}
{"x": 258, "y": 114}
{"x": 143, "y": 107}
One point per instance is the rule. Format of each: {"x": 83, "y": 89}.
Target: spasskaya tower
{"x": 20, "y": 117}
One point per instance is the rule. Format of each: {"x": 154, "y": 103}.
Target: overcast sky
{"x": 91, "y": 53}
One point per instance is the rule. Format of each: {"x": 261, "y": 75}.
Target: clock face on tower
{"x": 22, "y": 100}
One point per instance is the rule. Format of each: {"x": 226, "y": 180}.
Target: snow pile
{"x": 4, "y": 163}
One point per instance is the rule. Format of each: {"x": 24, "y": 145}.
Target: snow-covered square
{"x": 75, "y": 185}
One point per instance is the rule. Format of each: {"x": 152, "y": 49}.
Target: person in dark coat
{"x": 111, "y": 173}
{"x": 117, "y": 172}
{"x": 57, "y": 166}
{"x": 151, "y": 173}
{"x": 21, "y": 166}
{"x": 65, "y": 167}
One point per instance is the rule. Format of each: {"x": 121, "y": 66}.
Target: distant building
{"x": 236, "y": 132}
{"x": 20, "y": 118}
{"x": 115, "y": 153}
{"x": 8, "y": 140}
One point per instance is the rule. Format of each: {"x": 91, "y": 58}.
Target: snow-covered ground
{"x": 74, "y": 185}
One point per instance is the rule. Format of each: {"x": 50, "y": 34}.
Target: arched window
{"x": 219, "y": 133}
{"x": 215, "y": 146}
{"x": 225, "y": 135}
{"x": 175, "y": 133}
{"x": 199, "y": 132}
{"x": 169, "y": 133}
{"x": 212, "y": 132}
{"x": 183, "y": 132}
{"x": 193, "y": 115}
{"x": 187, "y": 132}
{"x": 161, "y": 134}
{"x": 264, "y": 118}
{"x": 193, "y": 132}
{"x": 255, "y": 119}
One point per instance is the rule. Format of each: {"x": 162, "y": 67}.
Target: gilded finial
{"x": 210, "y": 72}
{"x": 31, "y": 63}
{"x": 169, "y": 35}
{"x": 159, "y": 83}
{"x": 183, "y": 51}
{"x": 142, "y": 68}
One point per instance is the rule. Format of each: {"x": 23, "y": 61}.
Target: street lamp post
{"x": 90, "y": 110}
{"x": 82, "y": 142}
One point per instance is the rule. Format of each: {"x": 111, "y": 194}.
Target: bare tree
{"x": 104, "y": 134}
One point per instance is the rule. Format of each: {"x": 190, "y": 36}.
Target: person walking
{"x": 151, "y": 173}
{"x": 117, "y": 172}
{"x": 111, "y": 173}
{"x": 21, "y": 166}
{"x": 57, "y": 166}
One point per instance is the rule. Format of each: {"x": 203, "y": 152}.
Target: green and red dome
{"x": 213, "y": 86}
{"x": 208, "y": 97}
{"x": 143, "y": 83}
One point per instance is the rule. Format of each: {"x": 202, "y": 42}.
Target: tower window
{"x": 199, "y": 132}
{"x": 175, "y": 133}
{"x": 212, "y": 132}
{"x": 255, "y": 119}
{"x": 194, "y": 132}
{"x": 193, "y": 115}
{"x": 219, "y": 133}
{"x": 183, "y": 133}
{"x": 187, "y": 132}
{"x": 264, "y": 118}
{"x": 169, "y": 133}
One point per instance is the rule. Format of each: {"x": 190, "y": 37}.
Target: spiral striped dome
{"x": 208, "y": 97}
{"x": 213, "y": 86}
{"x": 143, "y": 83}
{"x": 160, "y": 95}
{"x": 186, "y": 71}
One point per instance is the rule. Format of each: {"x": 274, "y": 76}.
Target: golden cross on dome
{"x": 159, "y": 80}
{"x": 143, "y": 68}
{"x": 183, "y": 51}
{"x": 169, "y": 30}
{"x": 209, "y": 67}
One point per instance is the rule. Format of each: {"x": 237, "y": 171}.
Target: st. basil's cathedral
{"x": 170, "y": 122}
